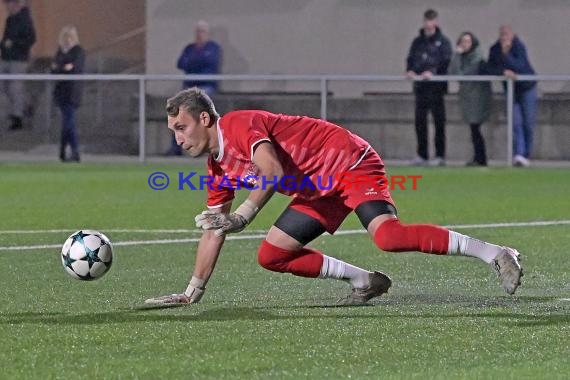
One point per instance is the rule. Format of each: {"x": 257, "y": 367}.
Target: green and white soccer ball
{"x": 87, "y": 255}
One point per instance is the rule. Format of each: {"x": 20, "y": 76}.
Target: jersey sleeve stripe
{"x": 220, "y": 205}
{"x": 361, "y": 158}
{"x": 257, "y": 143}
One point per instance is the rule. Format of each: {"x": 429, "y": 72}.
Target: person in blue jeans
{"x": 508, "y": 57}
{"x": 203, "y": 56}
{"x": 69, "y": 59}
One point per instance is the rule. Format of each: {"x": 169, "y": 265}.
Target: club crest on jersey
{"x": 250, "y": 175}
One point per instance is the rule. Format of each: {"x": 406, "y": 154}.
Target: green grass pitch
{"x": 444, "y": 318}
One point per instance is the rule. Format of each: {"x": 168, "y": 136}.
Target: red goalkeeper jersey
{"x": 311, "y": 152}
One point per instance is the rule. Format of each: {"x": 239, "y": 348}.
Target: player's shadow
{"x": 456, "y": 300}
{"x": 143, "y": 314}
{"x": 463, "y": 300}
{"x": 204, "y": 313}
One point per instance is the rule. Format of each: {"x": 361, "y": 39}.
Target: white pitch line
{"x": 133, "y": 242}
{"x": 515, "y": 224}
{"x": 260, "y": 234}
{"x": 110, "y": 231}
{"x": 475, "y": 226}
{"x": 341, "y": 232}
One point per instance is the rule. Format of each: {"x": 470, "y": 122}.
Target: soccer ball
{"x": 87, "y": 255}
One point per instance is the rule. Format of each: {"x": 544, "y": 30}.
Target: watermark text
{"x": 288, "y": 183}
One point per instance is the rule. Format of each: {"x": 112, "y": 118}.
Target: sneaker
{"x": 475, "y": 163}
{"x": 520, "y": 161}
{"x": 75, "y": 157}
{"x": 438, "y": 161}
{"x": 418, "y": 161}
{"x": 16, "y": 123}
{"x": 506, "y": 265}
{"x": 379, "y": 284}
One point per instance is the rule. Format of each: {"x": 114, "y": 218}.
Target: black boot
{"x": 74, "y": 157}
{"x": 16, "y": 123}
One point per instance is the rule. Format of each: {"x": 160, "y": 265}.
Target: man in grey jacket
{"x": 19, "y": 36}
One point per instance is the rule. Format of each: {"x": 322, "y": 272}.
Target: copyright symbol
{"x": 158, "y": 181}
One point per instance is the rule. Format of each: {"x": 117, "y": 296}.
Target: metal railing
{"x": 323, "y": 80}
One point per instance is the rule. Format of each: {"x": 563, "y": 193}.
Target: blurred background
{"x": 298, "y": 37}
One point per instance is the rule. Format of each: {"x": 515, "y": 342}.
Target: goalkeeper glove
{"x": 192, "y": 294}
{"x": 227, "y": 223}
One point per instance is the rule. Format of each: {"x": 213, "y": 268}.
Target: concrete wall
{"x": 386, "y": 121}
{"x": 345, "y": 36}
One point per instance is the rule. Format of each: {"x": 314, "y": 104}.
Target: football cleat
{"x": 379, "y": 284}
{"x": 506, "y": 266}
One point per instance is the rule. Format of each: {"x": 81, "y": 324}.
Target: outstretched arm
{"x": 209, "y": 249}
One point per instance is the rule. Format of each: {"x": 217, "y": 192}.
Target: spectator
{"x": 203, "y": 56}
{"x": 475, "y": 97}
{"x": 508, "y": 57}
{"x": 429, "y": 55}
{"x": 19, "y": 36}
{"x": 69, "y": 59}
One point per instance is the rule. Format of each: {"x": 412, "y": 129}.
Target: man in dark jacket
{"x": 19, "y": 36}
{"x": 508, "y": 57}
{"x": 429, "y": 55}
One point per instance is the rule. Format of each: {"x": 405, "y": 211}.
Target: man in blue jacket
{"x": 429, "y": 55}
{"x": 508, "y": 57}
{"x": 203, "y": 56}
{"x": 19, "y": 36}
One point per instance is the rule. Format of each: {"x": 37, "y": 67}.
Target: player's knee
{"x": 390, "y": 235}
{"x": 272, "y": 258}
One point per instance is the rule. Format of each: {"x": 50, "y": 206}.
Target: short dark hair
{"x": 195, "y": 101}
{"x": 430, "y": 14}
